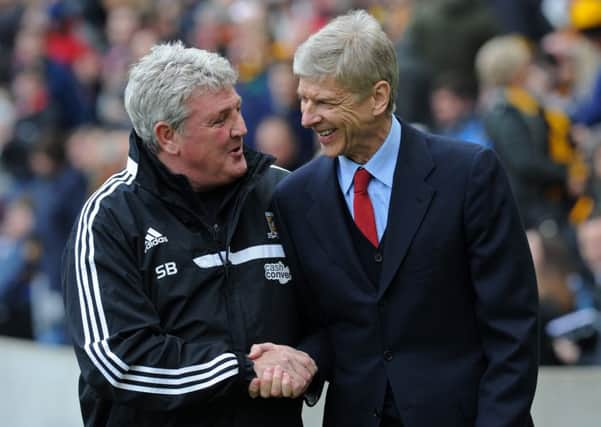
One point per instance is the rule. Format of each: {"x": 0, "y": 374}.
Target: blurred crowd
{"x": 522, "y": 77}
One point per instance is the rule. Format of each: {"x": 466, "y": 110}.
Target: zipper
{"x": 215, "y": 230}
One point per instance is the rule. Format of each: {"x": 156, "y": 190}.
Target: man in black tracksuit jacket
{"x": 168, "y": 283}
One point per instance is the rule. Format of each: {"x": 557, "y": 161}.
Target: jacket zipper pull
{"x": 216, "y": 232}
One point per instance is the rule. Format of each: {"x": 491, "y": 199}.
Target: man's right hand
{"x": 282, "y": 371}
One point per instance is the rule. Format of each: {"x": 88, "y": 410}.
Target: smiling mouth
{"x": 326, "y": 136}
{"x": 326, "y": 132}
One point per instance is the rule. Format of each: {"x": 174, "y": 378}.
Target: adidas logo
{"x": 153, "y": 238}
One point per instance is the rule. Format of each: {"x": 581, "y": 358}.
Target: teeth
{"x": 326, "y": 132}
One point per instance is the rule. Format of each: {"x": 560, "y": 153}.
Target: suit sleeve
{"x": 314, "y": 341}
{"x": 122, "y": 349}
{"x": 506, "y": 296}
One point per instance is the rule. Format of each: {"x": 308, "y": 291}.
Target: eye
{"x": 219, "y": 121}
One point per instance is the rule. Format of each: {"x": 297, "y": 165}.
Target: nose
{"x": 309, "y": 118}
{"x": 239, "y": 127}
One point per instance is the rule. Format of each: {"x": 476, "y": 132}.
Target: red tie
{"x": 364, "y": 211}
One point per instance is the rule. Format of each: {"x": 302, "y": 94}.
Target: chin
{"x": 239, "y": 170}
{"x": 330, "y": 150}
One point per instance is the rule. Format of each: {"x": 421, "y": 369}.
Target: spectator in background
{"x": 57, "y": 193}
{"x": 97, "y": 151}
{"x": 412, "y": 100}
{"x": 589, "y": 245}
{"x": 544, "y": 186}
{"x": 584, "y": 348}
{"x": 35, "y": 115}
{"x": 11, "y": 12}
{"x": 454, "y": 101}
{"x": 585, "y": 17}
{"x": 123, "y": 20}
{"x": 425, "y": 51}
{"x": 594, "y": 184}
{"x": 19, "y": 254}
{"x": 32, "y": 50}
{"x": 7, "y": 121}
{"x": 275, "y": 137}
{"x": 249, "y": 51}
{"x": 267, "y": 83}
{"x": 553, "y": 267}
{"x": 284, "y": 102}
{"x": 524, "y": 17}
{"x": 64, "y": 39}
{"x": 446, "y": 34}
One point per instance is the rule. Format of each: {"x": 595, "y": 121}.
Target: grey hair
{"x": 500, "y": 59}
{"x": 354, "y": 50}
{"x": 162, "y": 81}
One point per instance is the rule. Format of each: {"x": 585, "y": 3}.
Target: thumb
{"x": 258, "y": 349}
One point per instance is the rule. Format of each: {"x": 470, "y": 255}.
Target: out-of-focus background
{"x": 520, "y": 76}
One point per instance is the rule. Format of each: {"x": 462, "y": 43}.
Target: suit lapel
{"x": 326, "y": 217}
{"x": 409, "y": 202}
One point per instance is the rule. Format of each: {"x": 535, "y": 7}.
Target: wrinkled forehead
{"x": 312, "y": 87}
{"x": 215, "y": 99}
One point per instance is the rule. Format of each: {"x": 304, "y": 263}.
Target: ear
{"x": 381, "y": 96}
{"x": 165, "y": 135}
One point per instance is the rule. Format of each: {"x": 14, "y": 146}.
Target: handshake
{"x": 282, "y": 371}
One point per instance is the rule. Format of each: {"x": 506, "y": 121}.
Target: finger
{"x": 300, "y": 369}
{"x": 266, "y": 380}
{"x": 276, "y": 383}
{"x": 258, "y": 349}
{"x": 253, "y": 388}
{"x": 298, "y": 361}
{"x": 286, "y": 385}
{"x": 298, "y": 386}
{"x": 308, "y": 363}
{"x": 311, "y": 365}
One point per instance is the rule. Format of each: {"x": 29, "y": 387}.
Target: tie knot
{"x": 361, "y": 180}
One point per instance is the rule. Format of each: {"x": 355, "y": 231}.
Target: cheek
{"x": 350, "y": 117}
{"x": 201, "y": 156}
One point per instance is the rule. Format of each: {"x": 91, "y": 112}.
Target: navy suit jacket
{"x": 452, "y": 324}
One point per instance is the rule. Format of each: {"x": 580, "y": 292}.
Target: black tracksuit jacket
{"x": 163, "y": 305}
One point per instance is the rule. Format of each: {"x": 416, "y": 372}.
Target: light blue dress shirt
{"x": 381, "y": 166}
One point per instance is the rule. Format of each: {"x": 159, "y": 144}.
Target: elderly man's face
{"x": 210, "y": 140}
{"x": 344, "y": 123}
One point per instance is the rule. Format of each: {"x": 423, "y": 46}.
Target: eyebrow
{"x": 230, "y": 107}
{"x": 330, "y": 99}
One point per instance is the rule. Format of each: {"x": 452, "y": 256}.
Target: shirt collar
{"x": 382, "y": 164}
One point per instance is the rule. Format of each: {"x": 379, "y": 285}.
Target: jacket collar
{"x": 174, "y": 189}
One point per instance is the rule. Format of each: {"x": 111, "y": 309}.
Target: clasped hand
{"x": 282, "y": 371}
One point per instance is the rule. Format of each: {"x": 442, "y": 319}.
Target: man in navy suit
{"x": 420, "y": 288}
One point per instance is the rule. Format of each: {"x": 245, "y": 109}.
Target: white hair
{"x": 162, "y": 81}
{"x": 355, "y": 50}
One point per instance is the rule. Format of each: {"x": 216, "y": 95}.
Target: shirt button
{"x": 378, "y": 257}
{"x": 377, "y": 413}
{"x": 388, "y": 355}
